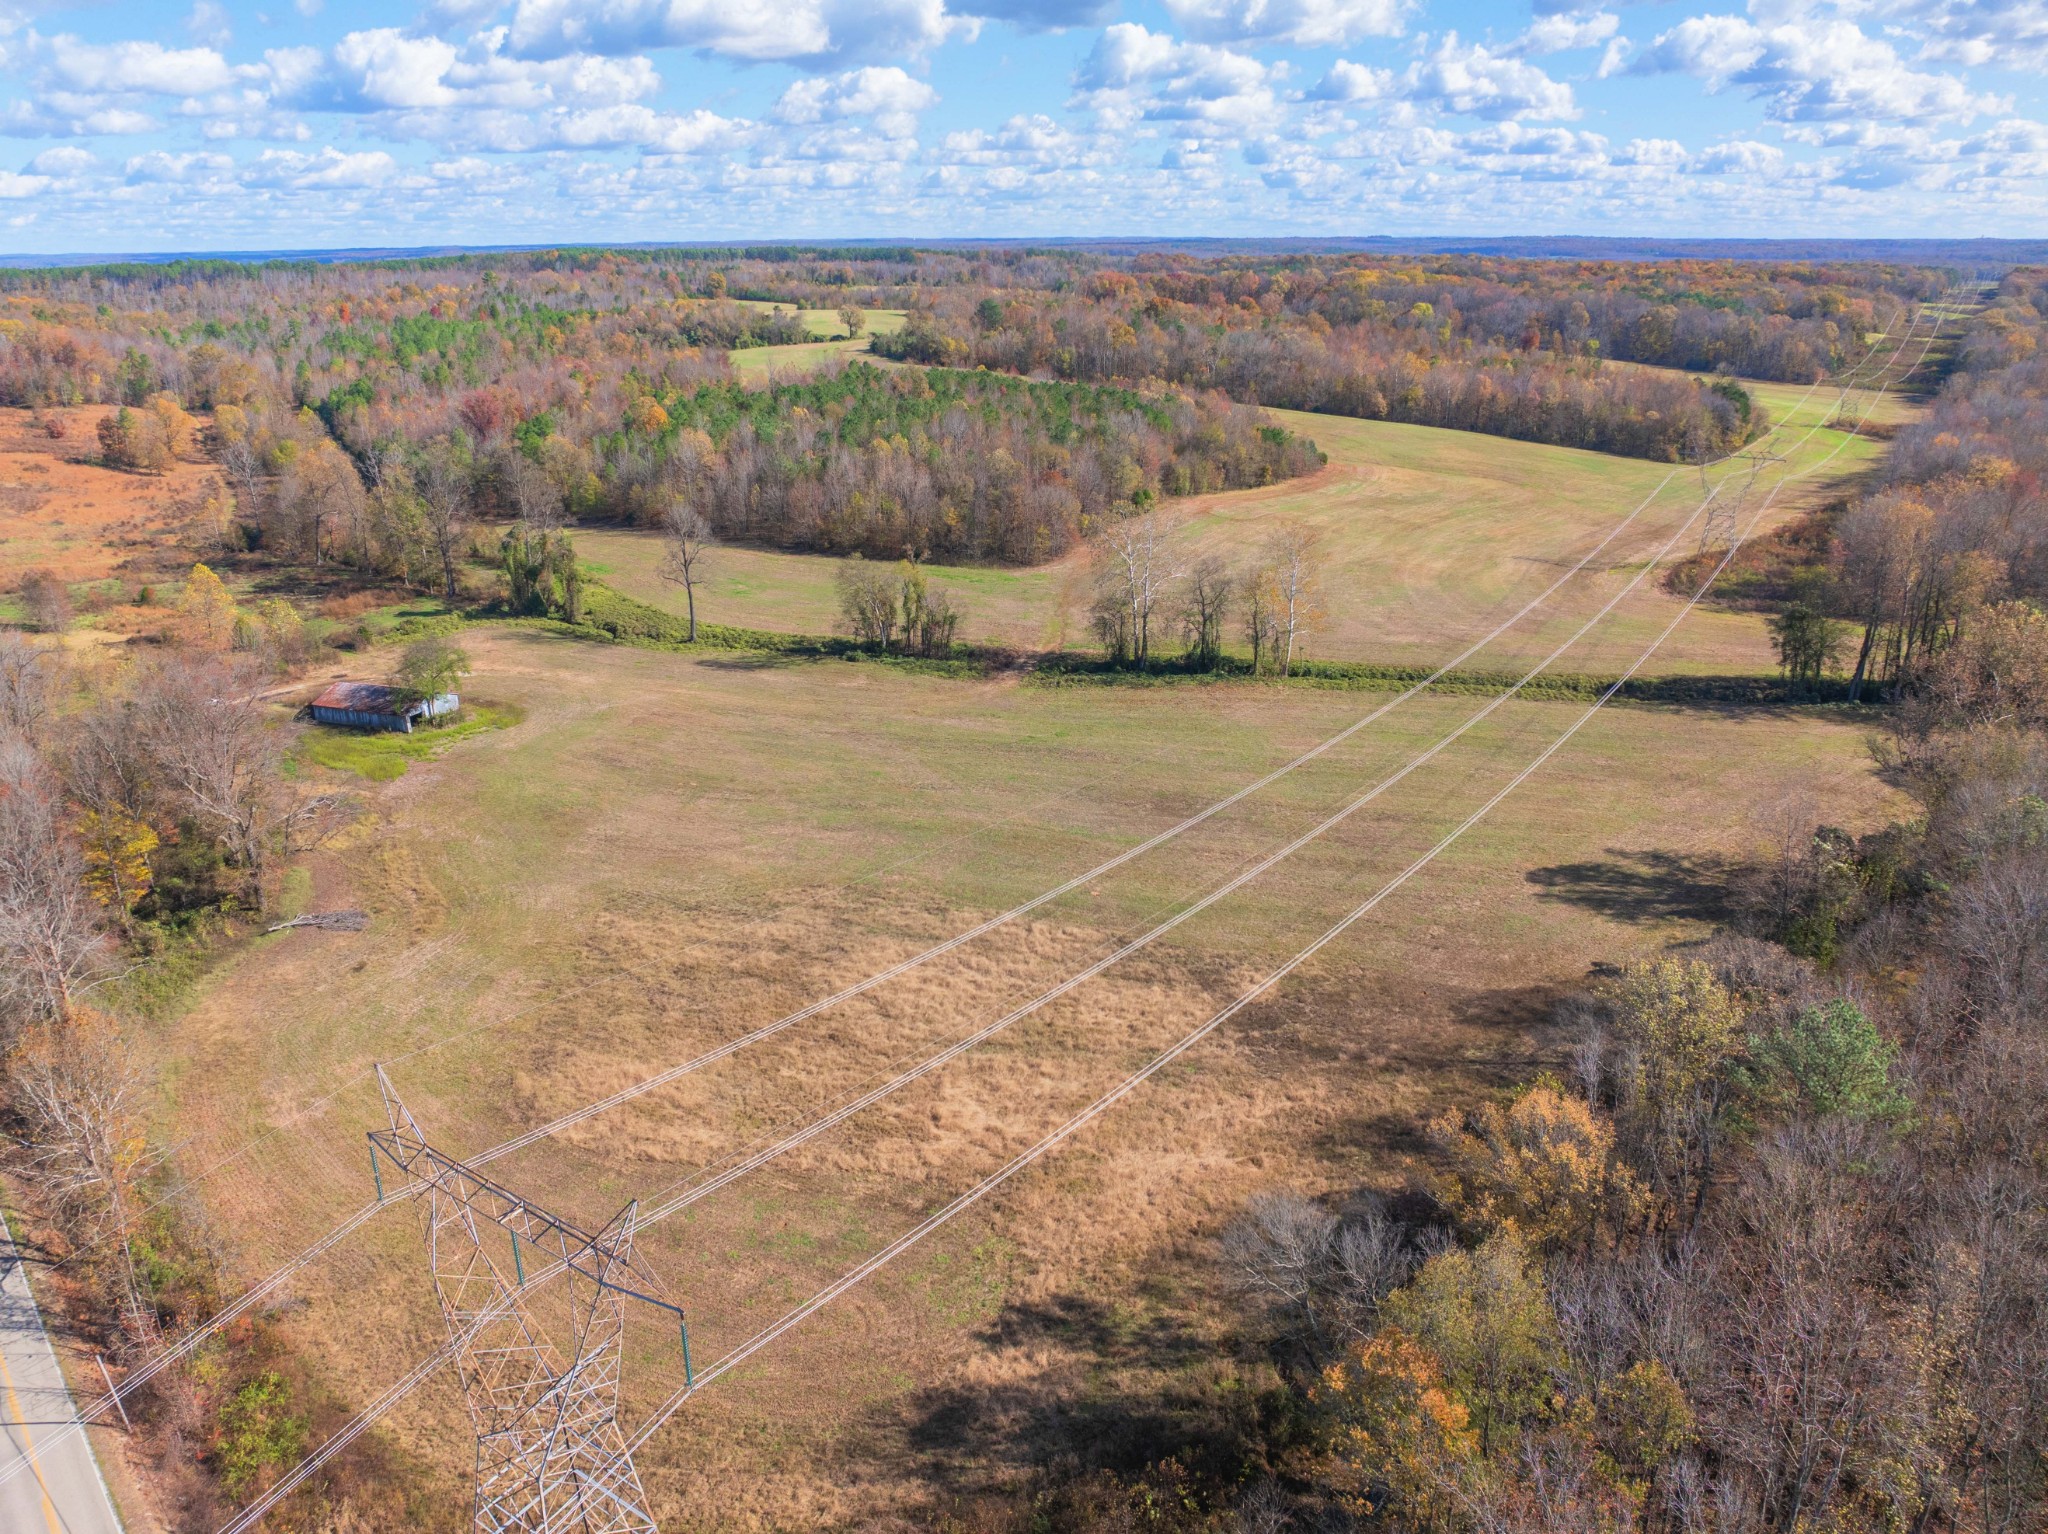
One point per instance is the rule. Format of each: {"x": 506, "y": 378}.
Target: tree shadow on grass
{"x": 751, "y": 660}
{"x": 1094, "y": 1387}
{"x": 1643, "y": 886}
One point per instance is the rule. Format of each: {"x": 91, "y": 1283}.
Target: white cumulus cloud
{"x": 1810, "y": 71}
{"x": 1566, "y": 30}
{"x": 64, "y": 160}
{"x": 1349, "y": 82}
{"x": 135, "y": 67}
{"x": 1135, "y": 75}
{"x": 1475, "y": 81}
{"x": 1304, "y": 23}
{"x": 883, "y": 93}
{"x": 327, "y": 168}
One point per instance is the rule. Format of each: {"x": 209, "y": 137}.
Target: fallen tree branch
{"x": 326, "y": 921}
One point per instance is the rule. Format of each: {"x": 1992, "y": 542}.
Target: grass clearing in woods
{"x": 760, "y": 364}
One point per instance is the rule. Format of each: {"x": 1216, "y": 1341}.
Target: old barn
{"x": 370, "y": 706}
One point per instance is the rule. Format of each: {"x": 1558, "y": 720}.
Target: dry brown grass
{"x": 61, "y": 513}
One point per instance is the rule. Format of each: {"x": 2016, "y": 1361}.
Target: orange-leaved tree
{"x": 1403, "y": 1439}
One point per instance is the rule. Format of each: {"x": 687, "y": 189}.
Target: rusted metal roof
{"x": 362, "y": 698}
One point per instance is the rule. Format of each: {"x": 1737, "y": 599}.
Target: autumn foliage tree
{"x": 135, "y": 440}
{"x": 1402, "y": 1440}
{"x": 207, "y": 611}
{"x": 1543, "y": 1167}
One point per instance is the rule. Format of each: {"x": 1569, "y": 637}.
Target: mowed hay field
{"x": 669, "y": 850}
{"x": 1426, "y": 533}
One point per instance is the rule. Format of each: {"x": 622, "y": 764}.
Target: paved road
{"x": 62, "y": 1492}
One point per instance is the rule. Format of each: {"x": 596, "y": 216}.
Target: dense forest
{"x": 967, "y": 465}
{"x": 1463, "y": 348}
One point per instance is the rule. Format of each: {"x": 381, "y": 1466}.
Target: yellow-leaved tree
{"x": 83, "y": 1099}
{"x": 1680, "y": 1031}
{"x": 1543, "y": 1166}
{"x": 1486, "y": 1317}
{"x": 116, "y": 848}
{"x": 1403, "y": 1439}
{"x": 207, "y": 611}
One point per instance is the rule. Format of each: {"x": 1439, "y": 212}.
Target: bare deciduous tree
{"x": 216, "y": 750}
{"x": 534, "y": 492}
{"x": 1257, "y": 602}
{"x": 104, "y": 760}
{"x": 1204, "y": 609}
{"x": 442, "y": 478}
{"x": 83, "y": 1099}
{"x": 1294, "y": 556}
{"x": 52, "y": 939}
{"x": 1373, "y": 1259}
{"x": 46, "y": 601}
{"x": 24, "y": 686}
{"x": 686, "y": 548}
{"x": 1283, "y": 1249}
{"x": 1137, "y": 573}
{"x": 244, "y": 465}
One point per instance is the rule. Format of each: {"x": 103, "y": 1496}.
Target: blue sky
{"x": 307, "y": 123}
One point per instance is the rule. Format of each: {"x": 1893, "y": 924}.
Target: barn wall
{"x": 356, "y": 719}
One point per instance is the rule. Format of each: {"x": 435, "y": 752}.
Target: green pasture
{"x": 381, "y": 755}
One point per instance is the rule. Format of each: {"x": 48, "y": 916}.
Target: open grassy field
{"x": 666, "y": 850}
{"x": 758, "y": 364}
{"x": 1427, "y": 533}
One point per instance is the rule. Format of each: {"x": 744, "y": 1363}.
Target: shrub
{"x": 259, "y": 1433}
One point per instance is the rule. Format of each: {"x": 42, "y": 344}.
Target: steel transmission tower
{"x": 1724, "y": 512}
{"x": 538, "y": 1347}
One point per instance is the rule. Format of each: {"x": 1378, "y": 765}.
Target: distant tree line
{"x": 1413, "y": 370}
